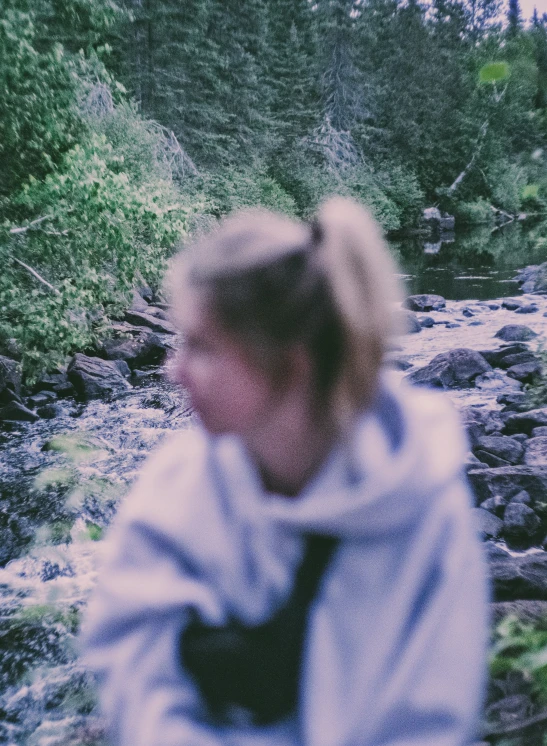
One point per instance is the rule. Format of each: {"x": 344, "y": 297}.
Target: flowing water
{"x": 61, "y": 481}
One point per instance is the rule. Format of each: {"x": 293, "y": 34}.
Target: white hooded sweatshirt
{"x": 396, "y": 636}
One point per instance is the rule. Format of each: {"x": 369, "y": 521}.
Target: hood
{"x": 398, "y": 458}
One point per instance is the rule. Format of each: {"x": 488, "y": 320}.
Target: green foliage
{"x": 92, "y": 196}
{"x": 233, "y": 189}
{"x": 521, "y": 647}
{"x": 39, "y": 120}
{"x": 494, "y": 72}
{"x": 473, "y": 213}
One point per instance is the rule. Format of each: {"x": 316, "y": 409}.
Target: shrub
{"x": 103, "y": 233}
{"x": 474, "y": 213}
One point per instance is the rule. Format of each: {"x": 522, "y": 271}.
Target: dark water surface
{"x": 472, "y": 264}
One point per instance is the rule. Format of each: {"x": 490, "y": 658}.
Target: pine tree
{"x": 514, "y": 19}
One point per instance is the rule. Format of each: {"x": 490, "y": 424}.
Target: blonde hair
{"x": 329, "y": 284}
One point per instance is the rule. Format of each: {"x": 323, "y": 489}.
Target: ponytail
{"x": 362, "y": 279}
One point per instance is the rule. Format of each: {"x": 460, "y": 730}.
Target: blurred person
{"x": 300, "y": 567}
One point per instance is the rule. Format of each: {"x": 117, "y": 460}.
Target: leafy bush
{"x": 233, "y": 189}
{"x": 508, "y": 181}
{"x": 103, "y": 233}
{"x": 39, "y": 119}
{"x": 473, "y": 213}
{"x": 521, "y": 647}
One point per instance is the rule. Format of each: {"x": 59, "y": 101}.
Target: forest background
{"x": 128, "y": 126}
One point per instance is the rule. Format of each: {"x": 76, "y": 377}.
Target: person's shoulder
{"x": 170, "y": 477}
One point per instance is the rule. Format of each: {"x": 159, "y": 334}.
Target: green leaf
{"x": 494, "y": 72}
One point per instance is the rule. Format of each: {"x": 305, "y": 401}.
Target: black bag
{"x": 257, "y": 668}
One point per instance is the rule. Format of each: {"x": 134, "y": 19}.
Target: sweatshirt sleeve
{"x": 133, "y": 624}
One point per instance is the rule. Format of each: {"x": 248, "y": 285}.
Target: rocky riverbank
{"x": 72, "y": 444}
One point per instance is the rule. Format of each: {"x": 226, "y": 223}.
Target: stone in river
{"x": 152, "y": 322}
{"x": 495, "y": 505}
{"x": 539, "y": 432}
{"x": 455, "y": 368}
{"x": 143, "y": 348}
{"x": 512, "y": 401}
{"x": 425, "y": 302}
{"x": 536, "y": 452}
{"x": 515, "y": 333}
{"x": 511, "y": 304}
{"x": 503, "y": 447}
{"x": 496, "y": 357}
{"x": 10, "y": 377}
{"x": 522, "y": 497}
{"x": 93, "y": 377}
{"x": 518, "y": 358}
{"x": 507, "y": 481}
{"x": 17, "y": 412}
{"x": 527, "y": 612}
{"x": 525, "y": 422}
{"x": 529, "y": 308}
{"x": 520, "y": 524}
{"x": 487, "y": 524}
{"x": 426, "y": 322}
{"x": 408, "y": 322}
{"x": 525, "y": 372}
{"x": 523, "y": 577}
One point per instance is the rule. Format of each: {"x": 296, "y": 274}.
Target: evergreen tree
{"x": 514, "y": 19}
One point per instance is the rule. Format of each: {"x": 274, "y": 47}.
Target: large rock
{"x": 528, "y": 612}
{"x": 536, "y": 452}
{"x": 138, "y": 303}
{"x": 57, "y": 382}
{"x": 525, "y": 422}
{"x": 520, "y": 524}
{"x": 93, "y": 377}
{"x": 515, "y": 333}
{"x": 144, "y": 348}
{"x": 523, "y": 577}
{"x": 151, "y": 322}
{"x": 525, "y": 372}
{"x": 479, "y": 422}
{"x": 507, "y": 481}
{"x": 501, "y": 447}
{"x": 488, "y": 525}
{"x": 14, "y": 411}
{"x": 456, "y": 368}
{"x": 10, "y": 379}
{"x": 496, "y": 358}
{"x": 425, "y": 302}
{"x": 534, "y": 278}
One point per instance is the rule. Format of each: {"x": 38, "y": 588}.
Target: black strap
{"x": 257, "y": 668}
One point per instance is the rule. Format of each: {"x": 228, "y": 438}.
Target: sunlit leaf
{"x": 494, "y": 72}
{"x": 530, "y": 191}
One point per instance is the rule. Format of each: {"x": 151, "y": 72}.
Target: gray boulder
{"x": 426, "y": 322}
{"x": 536, "y": 452}
{"x": 143, "y": 347}
{"x": 16, "y": 412}
{"x": 518, "y": 358}
{"x": 515, "y": 333}
{"x": 408, "y": 322}
{"x": 425, "y": 302}
{"x": 57, "y": 382}
{"x": 10, "y": 380}
{"x": 93, "y": 377}
{"x": 456, "y": 368}
{"x": 528, "y": 612}
{"x": 539, "y": 432}
{"x": 488, "y": 525}
{"x": 503, "y": 448}
{"x": 534, "y": 278}
{"x": 520, "y": 524}
{"x": 495, "y": 505}
{"x": 497, "y": 357}
{"x": 528, "y": 308}
{"x": 525, "y": 422}
{"x": 523, "y": 577}
{"x": 151, "y": 322}
{"x": 507, "y": 481}
{"x": 525, "y": 372}
{"x": 138, "y": 303}
{"x": 522, "y": 497}
{"x": 511, "y": 304}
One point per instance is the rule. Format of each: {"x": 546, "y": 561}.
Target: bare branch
{"x": 31, "y": 226}
{"x": 35, "y": 274}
